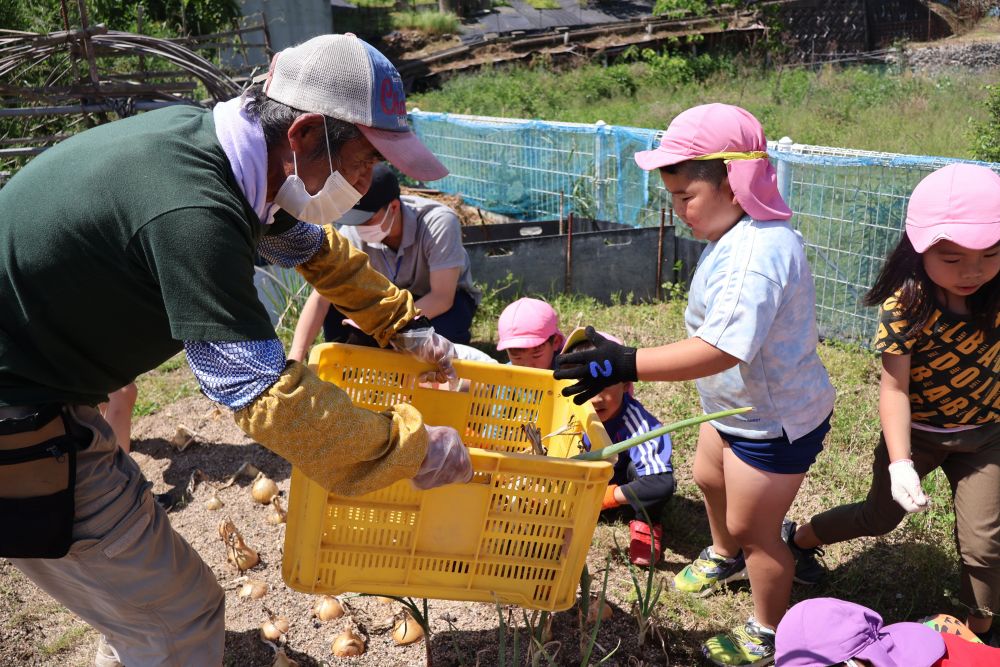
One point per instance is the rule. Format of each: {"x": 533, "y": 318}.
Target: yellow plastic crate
{"x": 517, "y": 533}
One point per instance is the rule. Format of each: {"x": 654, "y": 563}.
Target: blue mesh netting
{"x": 851, "y": 211}
{"x": 849, "y": 205}
{"x": 523, "y": 168}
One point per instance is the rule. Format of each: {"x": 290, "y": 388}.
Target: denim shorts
{"x": 778, "y": 454}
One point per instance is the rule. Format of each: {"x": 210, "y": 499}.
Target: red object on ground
{"x": 963, "y": 653}
{"x": 640, "y": 546}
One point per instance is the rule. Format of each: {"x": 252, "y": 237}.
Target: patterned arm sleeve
{"x": 234, "y": 373}
{"x": 889, "y": 337}
{"x": 292, "y": 247}
{"x": 311, "y": 423}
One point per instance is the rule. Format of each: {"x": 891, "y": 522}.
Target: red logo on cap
{"x": 392, "y": 103}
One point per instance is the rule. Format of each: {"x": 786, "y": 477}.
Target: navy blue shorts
{"x": 778, "y": 454}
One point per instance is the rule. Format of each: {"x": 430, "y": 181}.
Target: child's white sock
{"x": 760, "y": 628}
{"x": 715, "y": 556}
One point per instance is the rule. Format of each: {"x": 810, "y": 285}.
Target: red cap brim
{"x": 405, "y": 152}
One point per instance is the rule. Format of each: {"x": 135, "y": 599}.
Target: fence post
{"x": 599, "y": 168}
{"x": 784, "y": 170}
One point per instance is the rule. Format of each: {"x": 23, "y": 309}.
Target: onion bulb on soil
{"x": 274, "y": 628}
{"x": 606, "y": 612}
{"x": 247, "y": 468}
{"x": 244, "y": 558}
{"x": 407, "y": 631}
{"x": 278, "y": 515}
{"x": 263, "y": 489}
{"x": 239, "y": 554}
{"x": 347, "y": 644}
{"x": 328, "y": 608}
{"x": 254, "y": 589}
{"x": 214, "y": 503}
{"x": 183, "y": 438}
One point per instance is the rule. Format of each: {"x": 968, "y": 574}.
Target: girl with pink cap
{"x": 751, "y": 320}
{"x": 939, "y": 397}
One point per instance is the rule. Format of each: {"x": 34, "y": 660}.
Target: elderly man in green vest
{"x": 131, "y": 241}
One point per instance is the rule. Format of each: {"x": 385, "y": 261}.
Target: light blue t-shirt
{"x": 752, "y": 296}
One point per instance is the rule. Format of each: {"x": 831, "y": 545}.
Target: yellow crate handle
{"x": 619, "y": 447}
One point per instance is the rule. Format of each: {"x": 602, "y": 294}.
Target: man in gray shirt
{"x": 417, "y": 244}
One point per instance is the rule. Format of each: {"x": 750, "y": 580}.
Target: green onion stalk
{"x": 619, "y": 447}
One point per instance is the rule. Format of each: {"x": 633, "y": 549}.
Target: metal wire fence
{"x": 849, "y": 205}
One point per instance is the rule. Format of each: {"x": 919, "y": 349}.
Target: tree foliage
{"x": 680, "y": 8}
{"x": 160, "y": 17}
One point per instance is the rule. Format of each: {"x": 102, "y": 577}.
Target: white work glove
{"x": 447, "y": 460}
{"x": 906, "y": 486}
{"x": 427, "y": 345}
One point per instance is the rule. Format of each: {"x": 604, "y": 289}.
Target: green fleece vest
{"x": 115, "y": 246}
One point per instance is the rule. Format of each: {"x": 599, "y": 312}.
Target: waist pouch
{"x": 38, "y": 483}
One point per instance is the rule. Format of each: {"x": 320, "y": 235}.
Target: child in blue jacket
{"x": 643, "y": 480}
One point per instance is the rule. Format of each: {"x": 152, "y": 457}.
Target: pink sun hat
{"x": 730, "y": 133}
{"x": 958, "y": 203}
{"x": 527, "y": 323}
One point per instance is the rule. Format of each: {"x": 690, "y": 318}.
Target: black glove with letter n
{"x": 607, "y": 364}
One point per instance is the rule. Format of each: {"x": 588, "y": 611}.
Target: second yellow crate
{"x": 518, "y": 533}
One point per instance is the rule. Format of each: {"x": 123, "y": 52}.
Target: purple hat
{"x": 826, "y": 631}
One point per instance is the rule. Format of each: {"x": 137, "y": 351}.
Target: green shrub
{"x": 986, "y": 134}
{"x": 793, "y": 86}
{"x": 606, "y": 83}
{"x": 680, "y": 8}
{"x": 672, "y": 70}
{"x": 429, "y": 23}
{"x": 854, "y": 107}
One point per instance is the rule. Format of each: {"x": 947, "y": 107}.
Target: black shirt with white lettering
{"x": 954, "y": 369}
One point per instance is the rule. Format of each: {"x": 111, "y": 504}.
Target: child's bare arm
{"x": 310, "y": 323}
{"x": 894, "y": 404}
{"x": 609, "y": 363}
{"x": 894, "y": 411}
{"x": 687, "y": 359}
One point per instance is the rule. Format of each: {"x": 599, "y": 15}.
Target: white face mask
{"x": 374, "y": 234}
{"x": 334, "y": 199}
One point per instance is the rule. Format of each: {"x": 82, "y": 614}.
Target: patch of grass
{"x": 911, "y": 571}
{"x": 65, "y": 641}
{"x": 429, "y": 23}
{"x": 170, "y": 382}
{"x": 857, "y": 107}
{"x": 173, "y": 363}
{"x": 544, "y": 4}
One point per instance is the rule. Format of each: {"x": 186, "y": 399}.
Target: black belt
{"x": 31, "y": 419}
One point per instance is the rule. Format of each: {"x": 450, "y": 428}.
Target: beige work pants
{"x": 128, "y": 574}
